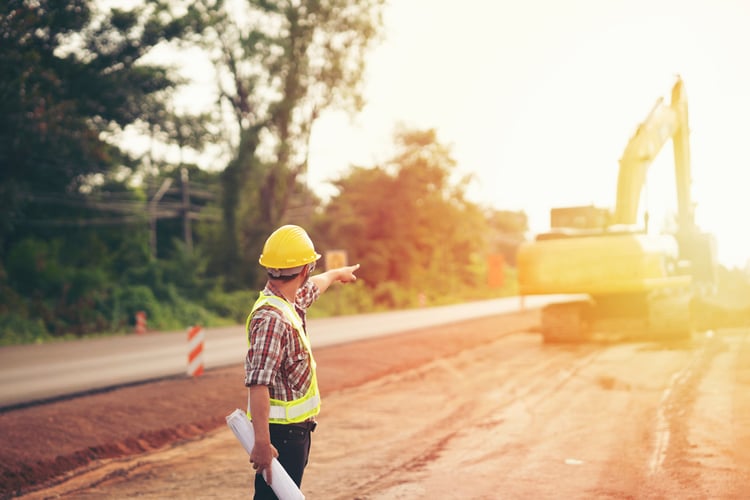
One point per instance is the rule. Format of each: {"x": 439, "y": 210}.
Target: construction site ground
{"x": 481, "y": 409}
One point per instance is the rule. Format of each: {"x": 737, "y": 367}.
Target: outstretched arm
{"x": 341, "y": 274}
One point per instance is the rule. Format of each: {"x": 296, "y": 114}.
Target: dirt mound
{"x": 42, "y": 442}
{"x": 40, "y": 445}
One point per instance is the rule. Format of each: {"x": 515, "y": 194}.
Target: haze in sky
{"x": 539, "y": 98}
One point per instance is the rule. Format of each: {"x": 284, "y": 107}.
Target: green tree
{"x": 408, "y": 222}
{"x": 70, "y": 77}
{"x": 281, "y": 64}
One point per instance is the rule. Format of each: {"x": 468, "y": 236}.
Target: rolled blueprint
{"x": 281, "y": 484}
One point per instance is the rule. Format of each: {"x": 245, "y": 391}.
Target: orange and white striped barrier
{"x": 195, "y": 351}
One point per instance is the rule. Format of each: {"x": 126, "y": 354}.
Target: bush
{"x": 343, "y": 300}
{"x": 134, "y": 298}
{"x": 233, "y": 306}
{"x": 15, "y": 329}
{"x": 182, "y": 313}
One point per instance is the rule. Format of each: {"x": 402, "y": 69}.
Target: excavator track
{"x": 667, "y": 318}
{"x": 565, "y": 322}
{"x": 670, "y": 317}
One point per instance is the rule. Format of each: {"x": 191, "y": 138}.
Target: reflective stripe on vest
{"x": 298, "y": 410}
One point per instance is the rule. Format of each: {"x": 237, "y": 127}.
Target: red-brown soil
{"x": 42, "y": 444}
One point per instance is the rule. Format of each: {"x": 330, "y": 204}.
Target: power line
{"x": 134, "y": 211}
{"x": 98, "y": 221}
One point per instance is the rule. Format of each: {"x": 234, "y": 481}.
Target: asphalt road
{"x": 35, "y": 373}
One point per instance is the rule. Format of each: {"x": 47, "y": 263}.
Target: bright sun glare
{"x": 539, "y": 98}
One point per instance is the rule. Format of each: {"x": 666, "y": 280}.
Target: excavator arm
{"x": 664, "y": 122}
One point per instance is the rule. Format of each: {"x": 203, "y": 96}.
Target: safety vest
{"x": 298, "y": 410}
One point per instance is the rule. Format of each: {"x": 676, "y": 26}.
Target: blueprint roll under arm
{"x": 283, "y": 485}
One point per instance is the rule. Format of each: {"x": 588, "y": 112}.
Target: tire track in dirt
{"x": 515, "y": 368}
{"x": 459, "y": 413}
{"x": 701, "y": 449}
{"x": 676, "y": 403}
{"x": 553, "y": 426}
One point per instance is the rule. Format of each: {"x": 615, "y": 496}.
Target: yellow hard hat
{"x": 287, "y": 247}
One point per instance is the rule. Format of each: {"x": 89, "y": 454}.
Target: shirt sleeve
{"x": 306, "y": 295}
{"x": 266, "y": 334}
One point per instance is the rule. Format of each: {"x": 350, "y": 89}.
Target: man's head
{"x": 288, "y": 252}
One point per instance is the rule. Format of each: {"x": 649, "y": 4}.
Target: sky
{"x": 538, "y": 99}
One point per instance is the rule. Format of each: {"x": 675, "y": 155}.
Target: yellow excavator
{"x": 627, "y": 283}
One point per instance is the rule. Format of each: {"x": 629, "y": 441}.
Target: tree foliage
{"x": 281, "y": 63}
{"x": 70, "y": 76}
{"x": 408, "y": 222}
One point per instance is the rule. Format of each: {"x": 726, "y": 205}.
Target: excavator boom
{"x": 664, "y": 122}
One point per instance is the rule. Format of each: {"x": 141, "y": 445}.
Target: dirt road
{"x": 483, "y": 410}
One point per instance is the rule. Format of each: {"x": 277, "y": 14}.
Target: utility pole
{"x": 153, "y": 215}
{"x": 186, "y": 229}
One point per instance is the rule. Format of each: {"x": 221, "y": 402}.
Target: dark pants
{"x": 293, "y": 444}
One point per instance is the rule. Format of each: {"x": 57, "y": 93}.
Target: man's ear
{"x": 305, "y": 274}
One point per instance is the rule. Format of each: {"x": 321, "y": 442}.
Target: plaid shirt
{"x": 276, "y": 357}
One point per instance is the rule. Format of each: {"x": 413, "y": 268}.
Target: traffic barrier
{"x": 195, "y": 351}
{"x": 140, "y": 322}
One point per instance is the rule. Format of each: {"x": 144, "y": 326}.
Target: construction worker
{"x": 283, "y": 396}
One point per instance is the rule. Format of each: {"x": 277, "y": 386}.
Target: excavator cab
{"x": 584, "y": 217}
